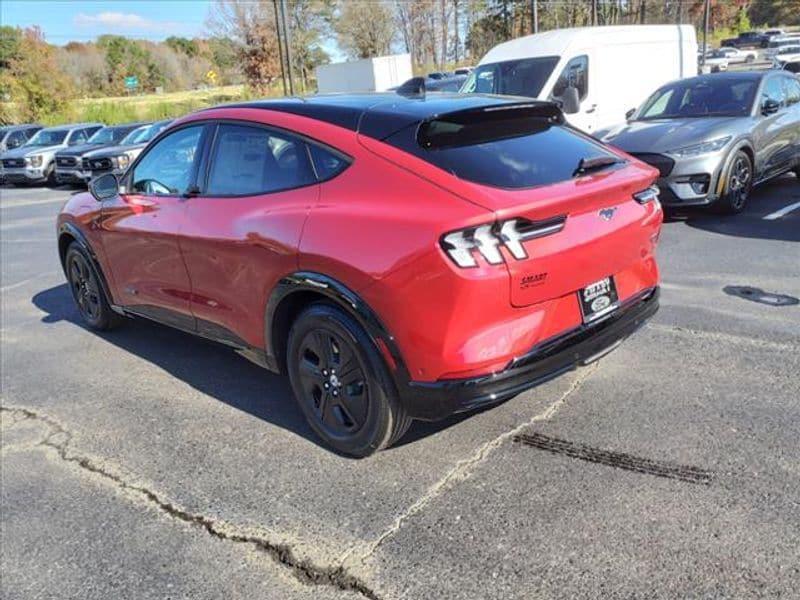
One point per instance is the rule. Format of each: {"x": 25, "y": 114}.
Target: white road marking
{"x": 13, "y": 286}
{"x": 784, "y": 211}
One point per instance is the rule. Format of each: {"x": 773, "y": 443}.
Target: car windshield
{"x": 138, "y": 136}
{"x": 108, "y": 135}
{"x": 711, "y": 97}
{"x": 48, "y": 137}
{"x": 523, "y": 77}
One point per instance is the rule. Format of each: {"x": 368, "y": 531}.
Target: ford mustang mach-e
{"x": 399, "y": 256}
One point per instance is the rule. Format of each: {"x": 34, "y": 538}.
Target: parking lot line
{"x": 782, "y": 212}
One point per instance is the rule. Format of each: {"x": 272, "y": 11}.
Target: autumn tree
{"x": 32, "y": 80}
{"x": 364, "y": 28}
{"x": 250, "y": 24}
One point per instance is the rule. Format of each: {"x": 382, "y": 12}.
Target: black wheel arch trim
{"x": 342, "y": 296}
{"x": 71, "y": 230}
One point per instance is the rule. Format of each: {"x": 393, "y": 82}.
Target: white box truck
{"x": 367, "y": 75}
{"x": 597, "y": 74}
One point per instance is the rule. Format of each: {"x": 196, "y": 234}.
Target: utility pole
{"x": 594, "y": 12}
{"x": 287, "y": 41}
{"x": 706, "y": 17}
{"x": 535, "y": 16}
{"x": 280, "y": 43}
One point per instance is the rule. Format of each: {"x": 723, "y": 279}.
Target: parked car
{"x": 115, "y": 159}
{"x": 714, "y": 137}
{"x": 594, "y": 73}
{"x": 792, "y": 66}
{"x": 400, "y": 257}
{"x": 736, "y": 55}
{"x": 69, "y": 168}
{"x": 452, "y": 83}
{"x": 14, "y": 136}
{"x": 778, "y": 44}
{"x": 34, "y": 162}
{"x": 438, "y": 75}
{"x": 716, "y": 61}
{"x": 463, "y": 70}
{"x": 787, "y": 54}
{"x": 747, "y": 39}
{"x": 771, "y": 34}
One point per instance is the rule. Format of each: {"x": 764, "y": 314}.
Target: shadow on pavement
{"x": 751, "y": 223}
{"x": 211, "y": 368}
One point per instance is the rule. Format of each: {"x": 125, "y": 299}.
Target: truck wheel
{"x": 750, "y": 58}
{"x": 341, "y": 382}
{"x": 50, "y": 175}
{"x": 737, "y": 186}
{"x": 87, "y": 290}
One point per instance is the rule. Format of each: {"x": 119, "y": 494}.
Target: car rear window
{"x": 519, "y": 149}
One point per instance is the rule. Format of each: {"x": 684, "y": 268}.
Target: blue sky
{"x": 83, "y": 20}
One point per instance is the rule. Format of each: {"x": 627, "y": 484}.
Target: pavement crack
{"x": 464, "y": 469}
{"x": 59, "y": 438}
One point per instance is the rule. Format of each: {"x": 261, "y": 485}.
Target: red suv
{"x": 400, "y": 257}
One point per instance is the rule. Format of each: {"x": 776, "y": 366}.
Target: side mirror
{"x": 570, "y": 101}
{"x": 629, "y": 114}
{"x": 104, "y": 187}
{"x": 770, "y": 107}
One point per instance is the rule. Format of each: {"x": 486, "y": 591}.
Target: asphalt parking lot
{"x": 145, "y": 463}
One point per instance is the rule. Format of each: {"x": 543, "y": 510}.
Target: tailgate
{"x": 605, "y": 233}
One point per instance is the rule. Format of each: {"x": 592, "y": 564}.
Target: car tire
{"x": 50, "y": 176}
{"x": 749, "y": 59}
{"x": 738, "y": 184}
{"x": 87, "y": 291}
{"x": 341, "y": 382}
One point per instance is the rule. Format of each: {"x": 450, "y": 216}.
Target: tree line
{"x": 242, "y": 42}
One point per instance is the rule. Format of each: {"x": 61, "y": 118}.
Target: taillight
{"x": 461, "y": 246}
{"x": 648, "y": 195}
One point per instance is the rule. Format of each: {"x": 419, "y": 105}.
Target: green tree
{"x": 10, "y": 38}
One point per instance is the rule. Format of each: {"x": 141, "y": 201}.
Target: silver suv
{"x": 34, "y": 162}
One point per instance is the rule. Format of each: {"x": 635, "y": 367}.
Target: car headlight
{"x": 35, "y": 160}
{"x": 701, "y": 148}
{"x": 123, "y": 160}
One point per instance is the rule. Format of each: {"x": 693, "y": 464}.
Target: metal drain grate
{"x": 618, "y": 460}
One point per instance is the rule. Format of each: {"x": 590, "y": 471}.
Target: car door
{"x": 792, "y": 90}
{"x": 141, "y": 225}
{"x": 772, "y": 133}
{"x": 242, "y": 231}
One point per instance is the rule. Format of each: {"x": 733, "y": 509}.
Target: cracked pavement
{"x": 145, "y": 463}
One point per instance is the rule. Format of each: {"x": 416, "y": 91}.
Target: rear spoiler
{"x": 487, "y": 123}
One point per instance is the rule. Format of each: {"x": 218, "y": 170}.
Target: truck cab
{"x": 595, "y": 74}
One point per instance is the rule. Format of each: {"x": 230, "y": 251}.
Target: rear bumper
{"x": 431, "y": 401}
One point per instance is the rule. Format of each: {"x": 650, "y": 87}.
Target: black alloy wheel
{"x": 738, "y": 186}
{"x": 334, "y": 381}
{"x": 87, "y": 291}
{"x": 341, "y": 382}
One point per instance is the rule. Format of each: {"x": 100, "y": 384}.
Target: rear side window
{"x": 513, "y": 153}
{"x": 253, "y": 160}
{"x": 326, "y": 163}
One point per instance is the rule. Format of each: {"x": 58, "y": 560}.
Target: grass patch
{"x": 149, "y": 107}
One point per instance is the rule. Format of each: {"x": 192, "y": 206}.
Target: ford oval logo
{"x": 600, "y": 303}
{"x": 607, "y": 213}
